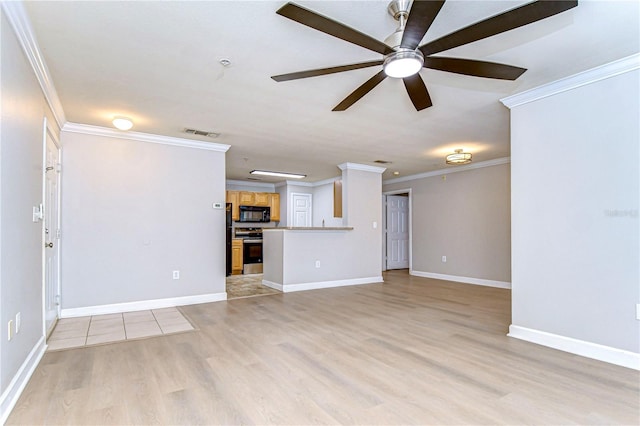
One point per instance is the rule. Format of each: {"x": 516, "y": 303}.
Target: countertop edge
{"x": 310, "y": 228}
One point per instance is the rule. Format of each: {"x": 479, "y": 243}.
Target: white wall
{"x": 346, "y": 256}
{"x": 323, "y": 206}
{"x": 575, "y": 191}
{"x": 464, "y": 215}
{"x": 132, "y": 213}
{"x": 21, "y": 244}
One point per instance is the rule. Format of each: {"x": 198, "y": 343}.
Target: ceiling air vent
{"x": 202, "y": 133}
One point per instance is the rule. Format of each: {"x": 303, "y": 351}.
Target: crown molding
{"x": 453, "y": 169}
{"x": 17, "y": 17}
{"x": 593, "y": 75}
{"x": 142, "y": 137}
{"x": 361, "y": 167}
{"x": 249, "y": 183}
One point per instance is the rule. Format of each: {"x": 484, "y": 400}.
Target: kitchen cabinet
{"x": 233, "y": 197}
{"x": 262, "y": 199}
{"x": 247, "y": 198}
{"x": 236, "y": 256}
{"x": 274, "y": 203}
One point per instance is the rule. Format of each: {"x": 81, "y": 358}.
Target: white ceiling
{"x": 158, "y": 63}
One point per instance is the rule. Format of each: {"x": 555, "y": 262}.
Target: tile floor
{"x": 98, "y": 329}
{"x": 247, "y": 286}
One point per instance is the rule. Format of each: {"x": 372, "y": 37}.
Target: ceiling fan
{"x": 403, "y": 58}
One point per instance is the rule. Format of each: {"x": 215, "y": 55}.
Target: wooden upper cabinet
{"x": 233, "y": 197}
{"x": 247, "y": 198}
{"x": 274, "y": 200}
{"x": 262, "y": 199}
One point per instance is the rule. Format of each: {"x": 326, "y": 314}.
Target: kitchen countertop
{"x": 310, "y": 228}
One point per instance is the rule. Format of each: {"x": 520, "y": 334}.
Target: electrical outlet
{"x": 317, "y": 263}
{"x": 176, "y": 275}
{"x": 18, "y": 322}
{"x": 10, "y": 330}
{"x": 444, "y": 259}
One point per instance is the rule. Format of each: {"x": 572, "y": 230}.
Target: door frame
{"x": 48, "y": 131}
{"x": 384, "y": 226}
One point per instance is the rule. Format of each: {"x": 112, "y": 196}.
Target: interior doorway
{"x": 396, "y": 237}
{"x": 51, "y": 229}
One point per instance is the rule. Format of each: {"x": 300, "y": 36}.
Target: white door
{"x": 301, "y": 210}
{"x": 51, "y": 232}
{"x": 397, "y": 232}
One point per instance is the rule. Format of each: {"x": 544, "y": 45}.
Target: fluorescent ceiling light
{"x": 122, "y": 123}
{"x": 278, "y": 174}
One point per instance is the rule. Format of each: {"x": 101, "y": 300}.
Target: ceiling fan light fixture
{"x": 278, "y": 174}
{"x": 459, "y": 157}
{"x": 403, "y": 63}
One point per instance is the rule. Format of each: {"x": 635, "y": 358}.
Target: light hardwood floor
{"x": 410, "y": 351}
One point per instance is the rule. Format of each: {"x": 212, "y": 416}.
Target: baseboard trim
{"x": 466, "y": 280}
{"x": 272, "y": 285}
{"x": 288, "y": 288}
{"x": 142, "y": 305}
{"x": 14, "y": 390}
{"x": 578, "y": 347}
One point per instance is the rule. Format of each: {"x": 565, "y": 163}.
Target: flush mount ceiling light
{"x": 459, "y": 157}
{"x": 122, "y": 123}
{"x": 278, "y": 174}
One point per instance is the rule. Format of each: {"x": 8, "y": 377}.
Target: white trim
{"x": 593, "y": 75}
{"x": 288, "y": 288}
{"x": 17, "y": 16}
{"x": 451, "y": 169}
{"x": 579, "y": 347}
{"x": 361, "y": 167}
{"x": 142, "y": 137}
{"x": 250, "y": 183}
{"x": 459, "y": 279}
{"x": 142, "y": 305}
{"x": 326, "y": 181}
{"x": 16, "y": 386}
{"x": 308, "y": 184}
{"x": 273, "y": 285}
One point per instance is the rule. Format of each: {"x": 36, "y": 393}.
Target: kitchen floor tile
{"x": 142, "y": 329}
{"x": 139, "y": 316}
{"x": 96, "y": 318}
{"x": 176, "y": 327}
{"x": 106, "y": 338}
{"x": 68, "y": 334}
{"x": 105, "y": 327}
{"x": 75, "y": 342}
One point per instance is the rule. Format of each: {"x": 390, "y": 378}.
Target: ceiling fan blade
{"x": 417, "y": 92}
{"x": 329, "y": 26}
{"x": 421, "y": 17}
{"x": 324, "y": 71}
{"x": 474, "y": 68}
{"x": 360, "y": 91}
{"x": 506, "y": 21}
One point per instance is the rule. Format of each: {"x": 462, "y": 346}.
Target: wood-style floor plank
{"x": 409, "y": 351}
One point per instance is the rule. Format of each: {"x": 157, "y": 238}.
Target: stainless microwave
{"x": 255, "y": 214}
